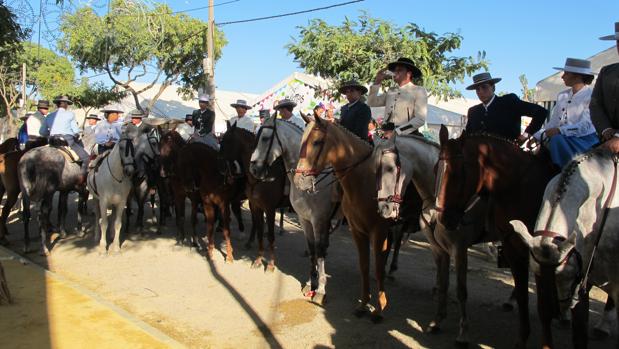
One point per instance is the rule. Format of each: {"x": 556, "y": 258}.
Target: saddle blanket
{"x": 67, "y": 152}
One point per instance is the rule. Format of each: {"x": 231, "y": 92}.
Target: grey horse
{"x": 281, "y": 138}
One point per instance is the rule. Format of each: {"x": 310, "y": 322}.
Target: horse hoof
{"x": 507, "y": 307}
{"x": 247, "y": 246}
{"x": 362, "y": 310}
{"x": 80, "y": 233}
{"x": 63, "y": 234}
{"x": 229, "y": 260}
{"x": 257, "y": 264}
{"x": 319, "y": 298}
{"x": 433, "y": 327}
{"x": 462, "y": 341}
{"x": 270, "y": 268}
{"x": 377, "y": 318}
{"x": 44, "y": 252}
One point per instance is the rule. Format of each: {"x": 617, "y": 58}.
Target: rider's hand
{"x": 380, "y": 76}
{"x": 552, "y": 132}
{"x": 609, "y": 133}
{"x": 612, "y": 145}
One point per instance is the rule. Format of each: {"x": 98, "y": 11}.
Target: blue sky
{"x": 519, "y": 37}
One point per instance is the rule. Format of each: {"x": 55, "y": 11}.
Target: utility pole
{"x": 23, "y": 87}
{"x": 209, "y": 61}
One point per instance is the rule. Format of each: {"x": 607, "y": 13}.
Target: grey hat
{"x": 575, "y": 65}
{"x": 353, "y": 84}
{"x": 612, "y": 37}
{"x": 111, "y": 109}
{"x": 63, "y": 99}
{"x": 482, "y": 78}
{"x": 137, "y": 114}
{"x": 240, "y": 103}
{"x": 93, "y": 117}
{"x": 43, "y": 104}
{"x": 285, "y": 103}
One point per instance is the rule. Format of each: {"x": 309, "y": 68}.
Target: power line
{"x": 205, "y": 7}
{"x": 289, "y": 14}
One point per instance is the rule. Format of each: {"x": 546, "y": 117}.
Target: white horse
{"x": 111, "y": 179}
{"x": 411, "y": 159}
{"x": 567, "y": 230}
{"x": 281, "y": 138}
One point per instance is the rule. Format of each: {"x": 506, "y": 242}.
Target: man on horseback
{"x": 203, "y": 120}
{"x": 107, "y": 132}
{"x": 604, "y": 105}
{"x": 88, "y": 135}
{"x": 241, "y": 120}
{"x": 285, "y": 108}
{"x": 185, "y": 130}
{"x": 62, "y": 124}
{"x": 356, "y": 115}
{"x": 501, "y": 115}
{"x": 405, "y": 105}
{"x": 35, "y": 124}
{"x": 136, "y": 118}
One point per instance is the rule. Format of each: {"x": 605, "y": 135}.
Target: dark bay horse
{"x": 514, "y": 181}
{"x": 354, "y": 165}
{"x": 237, "y": 145}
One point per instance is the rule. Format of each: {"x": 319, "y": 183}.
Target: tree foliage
{"x": 528, "y": 94}
{"x": 358, "y": 49}
{"x": 11, "y": 34}
{"x": 135, "y": 42}
{"x": 88, "y": 96}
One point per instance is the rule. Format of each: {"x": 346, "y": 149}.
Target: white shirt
{"x": 244, "y": 122}
{"x": 486, "y": 106}
{"x": 106, "y": 131}
{"x": 571, "y": 114}
{"x": 185, "y": 130}
{"x": 34, "y": 123}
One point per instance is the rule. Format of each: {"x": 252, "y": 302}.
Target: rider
{"x": 185, "y": 130}
{"x": 356, "y": 115}
{"x": 136, "y": 118}
{"x": 108, "y": 131}
{"x": 405, "y": 105}
{"x": 569, "y": 130}
{"x": 35, "y": 124}
{"x": 604, "y": 105}
{"x": 88, "y": 135}
{"x": 62, "y": 124}
{"x": 285, "y": 108}
{"x": 241, "y": 120}
{"x": 501, "y": 115}
{"x": 203, "y": 120}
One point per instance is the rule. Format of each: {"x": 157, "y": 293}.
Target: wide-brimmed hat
{"x": 204, "y": 98}
{"x": 43, "y": 104}
{"x": 112, "y": 109}
{"x": 408, "y": 63}
{"x": 354, "y": 84}
{"x": 188, "y": 117}
{"x": 482, "y": 78}
{"x": 93, "y": 117}
{"x": 240, "y": 103}
{"x": 575, "y": 65}
{"x": 612, "y": 37}
{"x": 63, "y": 99}
{"x": 137, "y": 114}
{"x": 285, "y": 103}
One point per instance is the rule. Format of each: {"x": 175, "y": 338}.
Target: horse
{"x": 354, "y": 166}
{"x": 237, "y": 146}
{"x": 411, "y": 159}
{"x": 111, "y": 178}
{"x": 9, "y": 183}
{"x": 477, "y": 165}
{"x": 281, "y": 139}
{"x": 575, "y": 240}
{"x": 42, "y": 171}
{"x": 10, "y": 144}
{"x": 197, "y": 171}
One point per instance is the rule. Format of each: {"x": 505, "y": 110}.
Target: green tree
{"x": 528, "y": 94}
{"x": 11, "y": 33}
{"x": 138, "y": 42}
{"x": 88, "y": 96}
{"x": 358, "y": 49}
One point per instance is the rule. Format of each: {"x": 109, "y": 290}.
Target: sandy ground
{"x": 213, "y": 304}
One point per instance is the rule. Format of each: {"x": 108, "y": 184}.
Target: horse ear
{"x": 523, "y": 232}
{"x": 443, "y": 135}
{"x": 318, "y": 120}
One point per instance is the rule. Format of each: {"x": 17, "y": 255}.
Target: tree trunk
{"x": 5, "y": 295}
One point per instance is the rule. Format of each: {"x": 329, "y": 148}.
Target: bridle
{"x": 396, "y": 197}
{"x": 274, "y": 137}
{"x": 129, "y": 152}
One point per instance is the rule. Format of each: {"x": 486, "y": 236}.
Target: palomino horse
{"x": 43, "y": 171}
{"x": 411, "y": 159}
{"x": 264, "y": 198}
{"x": 282, "y": 139}
{"x": 514, "y": 181}
{"x": 197, "y": 171}
{"x": 111, "y": 178}
{"x": 352, "y": 159}
{"x": 576, "y": 206}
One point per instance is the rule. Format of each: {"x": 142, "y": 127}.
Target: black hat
{"x": 43, "y": 104}
{"x": 482, "y": 78}
{"x": 353, "y": 84}
{"x": 408, "y": 63}
{"x": 63, "y": 99}
{"x": 93, "y": 117}
{"x": 188, "y": 117}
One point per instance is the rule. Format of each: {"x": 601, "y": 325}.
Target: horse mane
{"x": 367, "y": 145}
{"x": 241, "y": 130}
{"x": 491, "y": 136}
{"x": 294, "y": 126}
{"x": 420, "y": 138}
{"x": 570, "y": 169}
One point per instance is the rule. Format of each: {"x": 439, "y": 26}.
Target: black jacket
{"x": 503, "y": 117}
{"x": 203, "y": 121}
{"x": 356, "y": 119}
{"x": 604, "y": 105}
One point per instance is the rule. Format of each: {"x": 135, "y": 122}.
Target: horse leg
{"x": 63, "y": 198}
{"x": 118, "y": 224}
{"x": 254, "y": 222}
{"x": 179, "y": 208}
{"x": 603, "y": 327}
{"x": 225, "y": 209}
{"x": 312, "y": 283}
{"x": 520, "y": 270}
{"x": 44, "y": 211}
{"x": 363, "y": 248}
{"x": 193, "y": 242}
{"x": 154, "y": 214}
{"x": 209, "y": 213}
{"x": 281, "y": 221}
{"x": 323, "y": 244}
{"x": 11, "y": 199}
{"x": 270, "y": 214}
{"x": 461, "y": 258}
{"x": 236, "y": 210}
{"x": 441, "y": 259}
{"x": 259, "y": 224}
{"x": 397, "y": 244}
{"x": 379, "y": 242}
{"x": 26, "y": 219}
{"x": 140, "y": 199}
{"x": 101, "y": 229}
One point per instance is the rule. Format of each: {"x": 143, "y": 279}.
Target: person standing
{"x": 501, "y": 115}
{"x": 62, "y": 123}
{"x": 240, "y": 120}
{"x": 604, "y": 105}
{"x": 356, "y": 115}
{"x": 569, "y": 130}
{"x": 406, "y": 105}
{"x": 108, "y": 131}
{"x": 285, "y": 108}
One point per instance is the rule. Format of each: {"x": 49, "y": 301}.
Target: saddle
{"x": 97, "y": 161}
{"x": 67, "y": 152}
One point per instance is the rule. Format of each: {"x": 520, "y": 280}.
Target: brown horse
{"x": 353, "y": 162}
{"x": 9, "y": 145}
{"x": 237, "y": 145}
{"x": 9, "y": 183}
{"x": 514, "y": 181}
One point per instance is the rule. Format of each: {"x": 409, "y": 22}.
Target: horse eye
{"x": 317, "y": 143}
{"x": 389, "y": 169}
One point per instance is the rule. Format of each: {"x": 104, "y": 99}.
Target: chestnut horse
{"x": 514, "y": 181}
{"x": 237, "y": 145}
{"x": 326, "y": 144}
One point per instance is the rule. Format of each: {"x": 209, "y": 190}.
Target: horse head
{"x": 171, "y": 142}
{"x": 392, "y": 174}
{"x": 268, "y": 149}
{"x": 312, "y": 158}
{"x": 126, "y": 146}
{"x": 235, "y": 150}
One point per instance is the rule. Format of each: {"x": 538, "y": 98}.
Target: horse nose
{"x": 384, "y": 210}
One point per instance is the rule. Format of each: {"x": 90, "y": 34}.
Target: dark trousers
{"x": 101, "y": 148}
